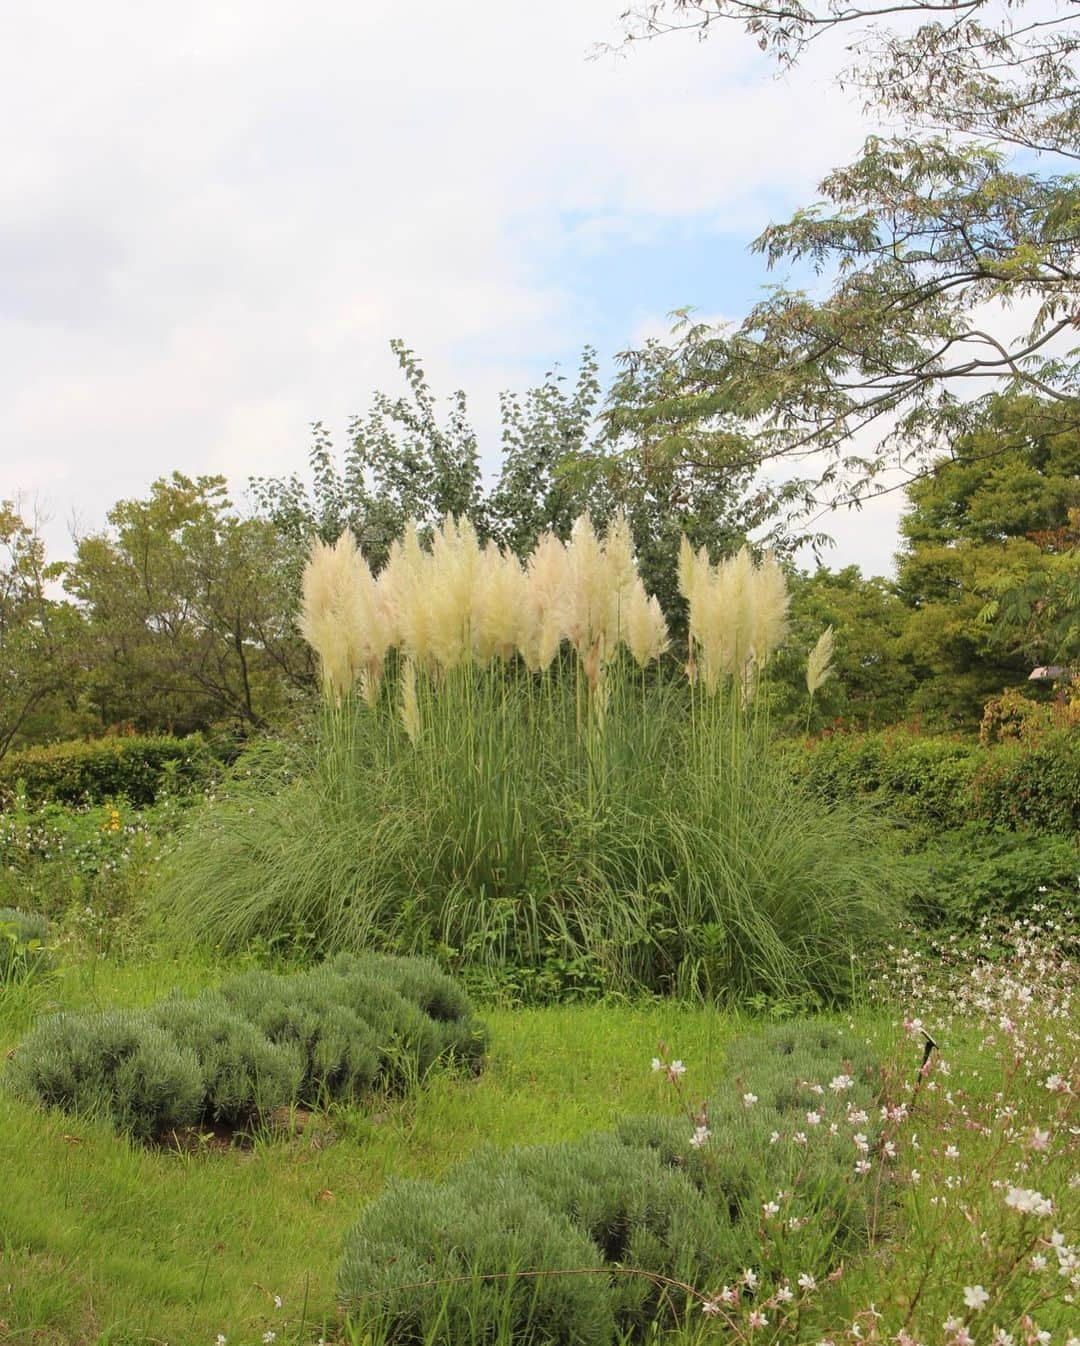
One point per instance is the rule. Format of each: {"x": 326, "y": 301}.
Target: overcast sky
{"x": 213, "y": 218}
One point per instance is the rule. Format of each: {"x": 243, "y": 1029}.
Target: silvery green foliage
{"x": 436, "y": 1262}
{"x": 118, "y": 1065}
{"x": 262, "y": 1041}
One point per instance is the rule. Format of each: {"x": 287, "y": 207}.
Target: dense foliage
{"x": 598, "y": 1240}
{"x": 258, "y": 1043}
{"x": 93, "y": 771}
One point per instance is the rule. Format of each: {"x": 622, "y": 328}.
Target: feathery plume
{"x": 771, "y": 600}
{"x": 646, "y": 630}
{"x": 455, "y": 562}
{"x": 544, "y": 613}
{"x": 497, "y": 604}
{"x": 405, "y": 585}
{"x": 410, "y": 708}
{"x": 819, "y": 665}
{"x": 327, "y": 621}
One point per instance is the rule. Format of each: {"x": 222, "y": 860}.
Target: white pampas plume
{"x": 410, "y": 709}
{"x": 621, "y": 576}
{"x": 819, "y": 665}
{"x": 405, "y": 590}
{"x": 646, "y": 630}
{"x": 544, "y": 614}
{"x": 588, "y": 598}
{"x": 327, "y": 620}
{"x": 455, "y": 563}
{"x": 498, "y": 605}
{"x": 769, "y": 623}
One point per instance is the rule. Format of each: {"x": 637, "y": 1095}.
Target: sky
{"x": 214, "y": 217}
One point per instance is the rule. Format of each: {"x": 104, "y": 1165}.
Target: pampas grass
{"x": 528, "y": 783}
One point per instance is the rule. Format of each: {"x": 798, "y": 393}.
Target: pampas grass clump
{"x": 508, "y": 774}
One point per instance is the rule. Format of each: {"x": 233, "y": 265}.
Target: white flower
{"x": 710, "y": 1308}
{"x": 840, "y": 1082}
{"x": 1038, "y": 1262}
{"x": 676, "y": 1069}
{"x": 268, "y": 1336}
{"x": 219, "y": 1340}
{"x": 975, "y": 1297}
{"x": 277, "y": 1301}
{"x": 953, "y": 1324}
{"x": 774, "y": 1137}
{"x": 700, "y": 1136}
{"x": 770, "y": 1208}
{"x": 806, "y": 1282}
{"x": 749, "y": 1100}
{"x": 1028, "y": 1202}
{"x": 784, "y": 1295}
{"x": 813, "y": 1118}
{"x": 749, "y": 1278}
{"x": 951, "y": 1152}
{"x": 657, "y": 1064}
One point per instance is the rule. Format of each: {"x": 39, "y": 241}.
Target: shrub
{"x": 245, "y": 1076}
{"x": 636, "y": 1210}
{"x": 976, "y": 873}
{"x": 642, "y": 1198}
{"x": 90, "y": 771}
{"x": 116, "y": 1065}
{"x": 23, "y": 944}
{"x": 398, "y": 1273}
{"x": 1031, "y": 783}
{"x": 258, "y": 1043}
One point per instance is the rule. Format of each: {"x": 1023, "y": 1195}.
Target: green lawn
{"x": 105, "y": 1242}
{"x": 108, "y": 1242}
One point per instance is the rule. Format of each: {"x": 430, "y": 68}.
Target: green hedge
{"x": 939, "y": 783}
{"x": 439, "y": 1262}
{"x": 89, "y": 771}
{"x": 258, "y": 1043}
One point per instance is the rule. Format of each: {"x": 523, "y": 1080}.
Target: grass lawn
{"x": 106, "y": 1242}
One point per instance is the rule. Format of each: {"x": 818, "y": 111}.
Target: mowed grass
{"x": 105, "y": 1242}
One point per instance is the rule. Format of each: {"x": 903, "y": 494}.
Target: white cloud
{"x": 215, "y": 216}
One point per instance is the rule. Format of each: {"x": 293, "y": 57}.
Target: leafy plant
{"x": 23, "y": 944}
{"x": 93, "y": 771}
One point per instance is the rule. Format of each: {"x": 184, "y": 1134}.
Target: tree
{"x": 557, "y": 461}
{"x": 977, "y": 529}
{"x": 38, "y": 672}
{"x": 873, "y": 677}
{"x": 927, "y": 245}
{"x": 187, "y": 612}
